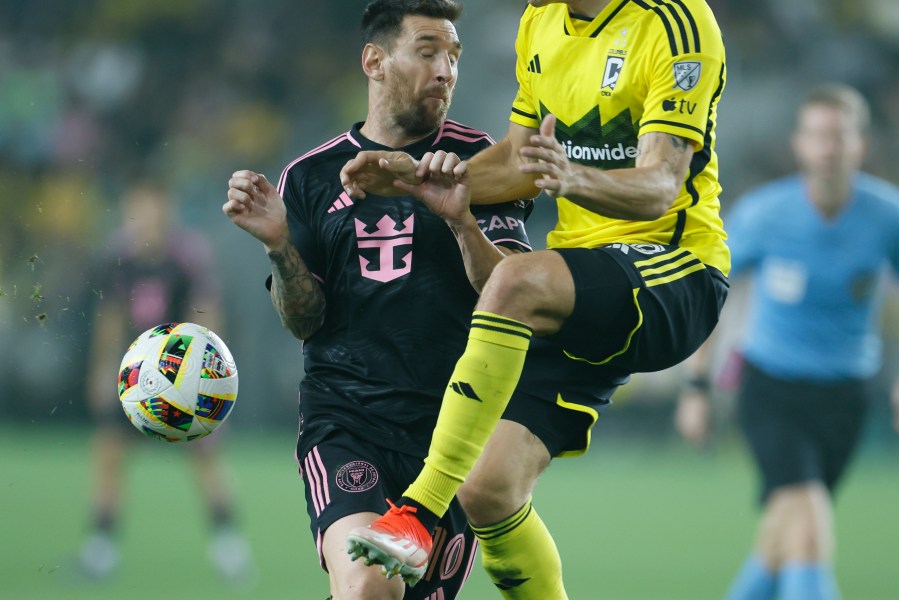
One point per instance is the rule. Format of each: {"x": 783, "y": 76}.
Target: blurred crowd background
{"x": 99, "y": 93}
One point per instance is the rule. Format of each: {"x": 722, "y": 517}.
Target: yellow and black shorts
{"x": 638, "y": 308}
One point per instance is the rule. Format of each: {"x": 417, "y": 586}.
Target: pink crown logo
{"x": 386, "y": 238}
{"x": 386, "y": 228}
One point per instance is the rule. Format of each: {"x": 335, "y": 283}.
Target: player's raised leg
{"x": 525, "y": 292}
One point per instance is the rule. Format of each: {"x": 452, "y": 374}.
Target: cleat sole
{"x": 390, "y": 566}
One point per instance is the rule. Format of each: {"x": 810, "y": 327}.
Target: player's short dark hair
{"x": 844, "y": 98}
{"x": 382, "y": 22}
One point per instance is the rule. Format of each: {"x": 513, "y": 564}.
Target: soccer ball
{"x": 177, "y": 382}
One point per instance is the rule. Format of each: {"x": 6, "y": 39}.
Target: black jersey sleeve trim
{"x": 675, "y": 124}
{"x": 698, "y": 164}
{"x": 672, "y": 40}
{"x": 524, "y": 114}
{"x": 685, "y": 43}
{"x": 693, "y": 27}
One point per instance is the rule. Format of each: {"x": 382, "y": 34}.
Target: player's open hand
{"x": 444, "y": 186}
{"x": 255, "y": 206}
{"x": 548, "y": 161}
{"x": 377, "y": 172}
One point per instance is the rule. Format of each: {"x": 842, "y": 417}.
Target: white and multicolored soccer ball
{"x": 177, "y": 382}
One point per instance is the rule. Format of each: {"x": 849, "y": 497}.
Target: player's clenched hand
{"x": 547, "y": 160}
{"x": 376, "y": 172}
{"x": 255, "y": 206}
{"x": 444, "y": 186}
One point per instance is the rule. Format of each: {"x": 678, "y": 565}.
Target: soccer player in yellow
{"x": 615, "y": 118}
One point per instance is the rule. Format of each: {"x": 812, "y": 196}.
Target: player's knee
{"x": 798, "y": 524}
{"x": 520, "y": 289}
{"x": 509, "y": 279}
{"x": 490, "y": 500}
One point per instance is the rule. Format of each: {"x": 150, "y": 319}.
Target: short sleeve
{"x": 302, "y": 229}
{"x": 503, "y": 224}
{"x": 524, "y": 111}
{"x": 686, "y": 79}
{"x": 744, "y": 226}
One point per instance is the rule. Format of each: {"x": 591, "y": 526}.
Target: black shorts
{"x": 344, "y": 475}
{"x": 638, "y": 308}
{"x": 800, "y": 431}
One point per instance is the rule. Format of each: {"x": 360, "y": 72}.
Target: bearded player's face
{"x": 420, "y": 74}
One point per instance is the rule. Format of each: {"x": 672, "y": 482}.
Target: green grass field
{"x": 633, "y": 521}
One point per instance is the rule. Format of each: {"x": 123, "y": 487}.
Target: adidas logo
{"x": 464, "y": 389}
{"x": 534, "y": 65}
{"x": 508, "y": 583}
{"x": 343, "y": 200}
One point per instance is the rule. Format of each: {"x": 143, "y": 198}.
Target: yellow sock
{"x": 474, "y": 401}
{"x": 521, "y": 558}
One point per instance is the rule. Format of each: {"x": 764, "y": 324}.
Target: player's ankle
{"x": 427, "y": 518}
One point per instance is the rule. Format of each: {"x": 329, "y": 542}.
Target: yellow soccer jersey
{"x": 639, "y": 66}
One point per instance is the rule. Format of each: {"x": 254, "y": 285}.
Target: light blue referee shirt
{"x": 818, "y": 284}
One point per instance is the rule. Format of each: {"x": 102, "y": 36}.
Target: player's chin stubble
{"x": 414, "y": 115}
{"x": 419, "y": 120}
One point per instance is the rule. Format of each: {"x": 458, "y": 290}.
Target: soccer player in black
{"x": 151, "y": 272}
{"x": 381, "y": 291}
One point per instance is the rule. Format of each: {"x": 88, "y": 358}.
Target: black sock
{"x": 221, "y": 515}
{"x": 105, "y": 522}
{"x": 427, "y": 518}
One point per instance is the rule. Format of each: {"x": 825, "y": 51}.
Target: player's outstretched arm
{"x": 445, "y": 190}
{"x": 642, "y": 193}
{"x": 495, "y": 172}
{"x": 377, "y": 172}
{"x": 693, "y": 414}
{"x": 255, "y": 206}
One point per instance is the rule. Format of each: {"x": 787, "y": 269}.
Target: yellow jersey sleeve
{"x": 681, "y": 85}
{"x": 524, "y": 112}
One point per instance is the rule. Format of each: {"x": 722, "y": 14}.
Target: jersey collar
{"x": 415, "y": 149}
{"x": 574, "y": 25}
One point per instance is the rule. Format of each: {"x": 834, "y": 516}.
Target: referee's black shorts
{"x": 638, "y": 308}
{"x": 800, "y": 431}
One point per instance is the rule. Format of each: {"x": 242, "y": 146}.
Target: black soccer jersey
{"x": 158, "y": 286}
{"x": 398, "y": 301}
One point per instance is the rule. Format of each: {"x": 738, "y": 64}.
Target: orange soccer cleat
{"x": 397, "y": 541}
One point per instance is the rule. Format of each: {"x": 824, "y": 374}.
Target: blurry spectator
{"x": 154, "y": 273}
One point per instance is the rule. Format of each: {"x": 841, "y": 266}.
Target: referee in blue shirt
{"x": 819, "y": 245}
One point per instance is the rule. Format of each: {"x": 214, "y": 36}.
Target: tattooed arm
{"x": 296, "y": 294}
{"x": 255, "y": 206}
{"x": 641, "y": 193}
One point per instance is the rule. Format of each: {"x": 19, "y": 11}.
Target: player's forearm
{"x": 495, "y": 176}
{"x": 636, "y": 194}
{"x": 698, "y": 369}
{"x": 296, "y": 295}
{"x": 479, "y": 254}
